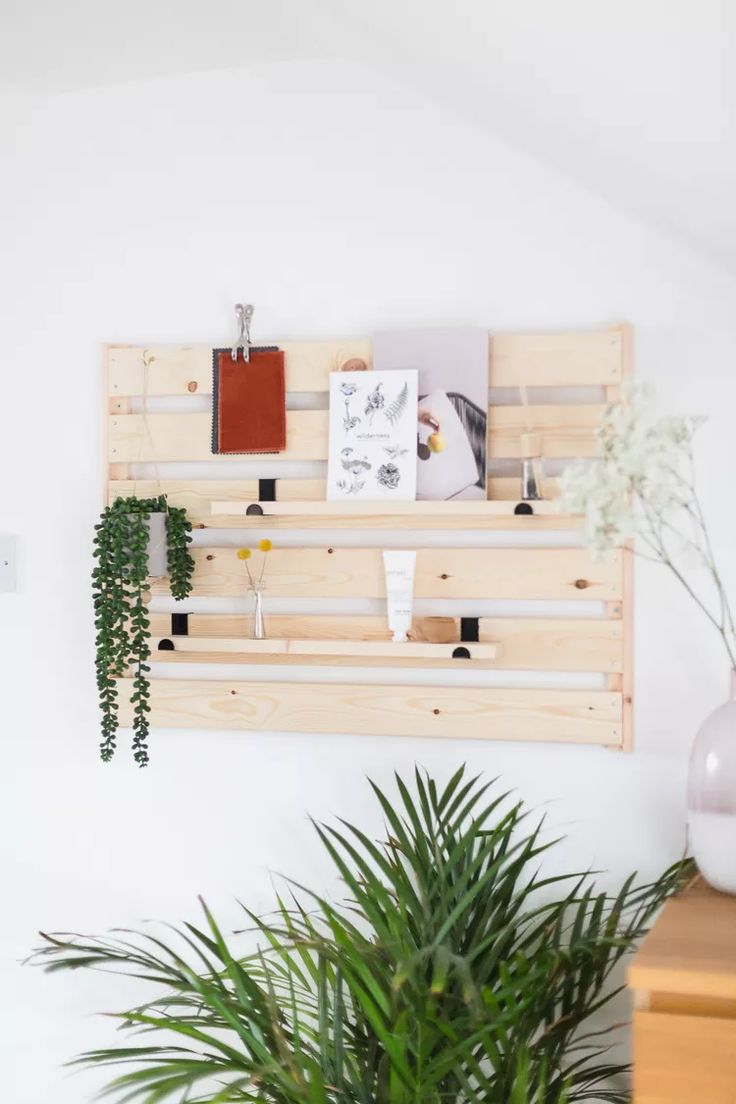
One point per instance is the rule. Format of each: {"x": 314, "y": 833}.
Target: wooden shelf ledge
{"x": 463, "y": 513}
{"x": 386, "y": 653}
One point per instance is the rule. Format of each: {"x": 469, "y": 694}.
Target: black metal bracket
{"x": 461, "y": 653}
{"x": 166, "y": 646}
{"x": 524, "y": 508}
{"x": 266, "y": 490}
{"x": 469, "y": 630}
{"x": 179, "y": 626}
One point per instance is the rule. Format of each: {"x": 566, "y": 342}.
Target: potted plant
{"x": 454, "y": 972}
{"x": 136, "y": 538}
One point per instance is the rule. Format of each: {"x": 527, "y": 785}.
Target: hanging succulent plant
{"x": 119, "y": 585}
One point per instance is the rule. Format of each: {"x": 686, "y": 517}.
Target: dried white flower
{"x": 642, "y": 485}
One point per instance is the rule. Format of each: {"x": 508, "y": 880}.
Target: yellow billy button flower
{"x": 265, "y": 545}
{"x": 244, "y": 553}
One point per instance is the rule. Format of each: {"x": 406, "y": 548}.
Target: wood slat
{"x": 517, "y": 573}
{"x": 566, "y": 431}
{"x": 187, "y": 369}
{"x": 555, "y": 644}
{"x": 556, "y": 360}
{"x": 533, "y": 644}
{"x": 188, "y": 438}
{"x": 536, "y": 360}
{"x": 197, "y": 495}
{"x": 565, "y": 716}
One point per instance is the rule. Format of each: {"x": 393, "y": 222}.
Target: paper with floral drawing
{"x": 373, "y": 436}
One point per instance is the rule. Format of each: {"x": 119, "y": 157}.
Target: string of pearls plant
{"x": 119, "y": 587}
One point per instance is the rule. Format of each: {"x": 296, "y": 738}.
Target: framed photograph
{"x": 373, "y": 436}
{"x": 452, "y": 410}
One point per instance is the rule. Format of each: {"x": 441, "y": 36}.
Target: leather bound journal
{"x": 248, "y": 401}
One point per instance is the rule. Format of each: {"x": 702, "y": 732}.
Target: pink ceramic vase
{"x": 712, "y": 796}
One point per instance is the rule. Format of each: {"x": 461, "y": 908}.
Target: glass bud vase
{"x": 712, "y": 796}
{"x": 257, "y": 623}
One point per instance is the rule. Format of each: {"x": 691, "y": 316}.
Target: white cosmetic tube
{"x": 399, "y": 566}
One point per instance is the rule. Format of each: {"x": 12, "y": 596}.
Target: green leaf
{"x": 453, "y": 973}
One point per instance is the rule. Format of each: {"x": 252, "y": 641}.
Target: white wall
{"x": 338, "y": 204}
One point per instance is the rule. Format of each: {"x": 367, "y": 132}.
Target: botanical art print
{"x": 372, "y": 436}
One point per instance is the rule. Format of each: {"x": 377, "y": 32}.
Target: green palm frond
{"x": 454, "y": 972}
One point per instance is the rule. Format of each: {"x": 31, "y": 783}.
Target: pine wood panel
{"x": 555, "y": 644}
{"x": 516, "y": 573}
{"x": 188, "y": 438}
{"x": 197, "y": 495}
{"x": 556, "y": 360}
{"x": 566, "y": 431}
{"x": 536, "y": 360}
{"x": 187, "y": 369}
{"x": 566, "y": 716}
{"x": 684, "y": 1059}
{"x": 552, "y": 644}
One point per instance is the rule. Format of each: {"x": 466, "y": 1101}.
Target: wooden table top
{"x": 691, "y": 949}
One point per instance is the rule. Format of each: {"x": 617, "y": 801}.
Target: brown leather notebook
{"x": 249, "y": 401}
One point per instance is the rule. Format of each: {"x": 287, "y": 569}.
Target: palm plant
{"x": 454, "y": 973}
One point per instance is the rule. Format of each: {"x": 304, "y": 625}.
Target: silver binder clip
{"x": 243, "y": 315}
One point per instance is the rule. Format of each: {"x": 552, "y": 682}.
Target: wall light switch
{"x": 8, "y": 580}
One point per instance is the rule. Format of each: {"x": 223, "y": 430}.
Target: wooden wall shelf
{"x": 332, "y": 652}
{"x": 393, "y": 515}
{"x": 167, "y": 441}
